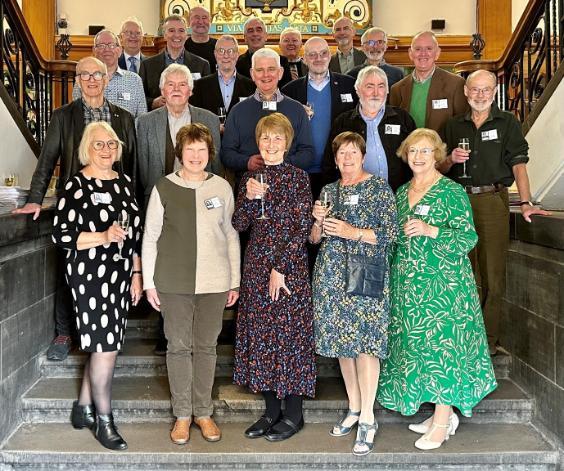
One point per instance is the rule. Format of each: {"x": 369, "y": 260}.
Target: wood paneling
{"x": 41, "y": 16}
{"x": 494, "y": 22}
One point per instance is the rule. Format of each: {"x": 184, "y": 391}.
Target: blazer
{"x": 244, "y": 65}
{"x": 393, "y": 73}
{"x": 398, "y": 171}
{"x": 123, "y": 65}
{"x": 444, "y": 85}
{"x": 62, "y": 140}
{"x": 358, "y": 58}
{"x": 207, "y": 94}
{"x": 151, "y": 144}
{"x": 152, "y": 67}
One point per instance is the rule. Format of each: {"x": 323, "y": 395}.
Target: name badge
{"x": 441, "y": 104}
{"x": 346, "y": 98}
{"x": 213, "y": 203}
{"x": 124, "y": 96}
{"x": 422, "y": 209}
{"x": 351, "y": 200}
{"x": 103, "y": 198}
{"x": 269, "y": 105}
{"x": 392, "y": 129}
{"x": 196, "y": 75}
{"x": 489, "y": 135}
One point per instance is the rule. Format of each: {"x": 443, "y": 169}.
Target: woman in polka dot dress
{"x": 102, "y": 285}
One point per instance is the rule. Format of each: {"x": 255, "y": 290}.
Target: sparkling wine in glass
{"x": 309, "y": 110}
{"x": 261, "y": 178}
{"x": 464, "y": 144}
{"x": 326, "y": 203}
{"x": 222, "y": 114}
{"x": 123, "y": 222}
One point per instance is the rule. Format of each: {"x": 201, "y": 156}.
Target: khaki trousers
{"x": 489, "y": 257}
{"x": 192, "y": 324}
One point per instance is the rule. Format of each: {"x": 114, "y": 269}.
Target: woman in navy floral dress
{"x": 274, "y": 348}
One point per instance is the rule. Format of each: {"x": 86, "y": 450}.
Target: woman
{"x": 190, "y": 274}
{"x": 438, "y": 347}
{"x": 274, "y": 352}
{"x": 353, "y": 328}
{"x": 102, "y": 282}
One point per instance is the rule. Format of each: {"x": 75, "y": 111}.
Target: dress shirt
{"x": 174, "y": 124}
{"x": 346, "y": 61}
{"x": 375, "y": 161}
{"x": 93, "y": 115}
{"x": 416, "y": 79}
{"x": 318, "y": 86}
{"x": 277, "y": 96}
{"x": 169, "y": 60}
{"x": 226, "y": 88}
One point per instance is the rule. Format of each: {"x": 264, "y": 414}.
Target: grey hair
{"x": 176, "y": 69}
{"x": 265, "y": 52}
{"x": 134, "y": 20}
{"x": 423, "y": 33}
{"x": 370, "y": 70}
{"x": 228, "y": 37}
{"x": 86, "y": 140}
{"x": 343, "y": 18}
{"x": 289, "y": 30}
{"x": 254, "y": 18}
{"x": 98, "y": 62}
{"x": 175, "y": 18}
{"x": 115, "y": 36}
{"x": 373, "y": 30}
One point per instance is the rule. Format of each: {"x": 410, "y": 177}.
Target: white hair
{"x": 134, "y": 20}
{"x": 176, "y": 69}
{"x": 265, "y": 52}
{"x": 370, "y": 70}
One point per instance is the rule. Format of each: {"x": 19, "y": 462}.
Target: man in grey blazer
{"x": 346, "y": 56}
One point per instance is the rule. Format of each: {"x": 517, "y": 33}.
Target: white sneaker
{"x": 424, "y": 426}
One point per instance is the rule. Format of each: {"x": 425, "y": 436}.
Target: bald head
{"x": 317, "y": 56}
{"x": 343, "y": 32}
{"x": 199, "y": 23}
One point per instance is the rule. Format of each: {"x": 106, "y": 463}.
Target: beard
{"x": 480, "y": 106}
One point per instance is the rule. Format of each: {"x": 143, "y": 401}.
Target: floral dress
{"x": 274, "y": 349}
{"x": 438, "y": 346}
{"x": 346, "y": 325}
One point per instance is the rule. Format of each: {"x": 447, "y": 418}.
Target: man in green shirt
{"x": 497, "y": 157}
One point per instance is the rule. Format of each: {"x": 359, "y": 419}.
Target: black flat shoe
{"x": 106, "y": 433}
{"x": 284, "y": 429}
{"x": 260, "y": 427}
{"x": 82, "y": 416}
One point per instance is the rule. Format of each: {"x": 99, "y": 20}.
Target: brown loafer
{"x": 210, "y": 431}
{"x": 181, "y": 432}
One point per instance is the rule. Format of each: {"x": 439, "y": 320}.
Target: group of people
{"x": 367, "y": 182}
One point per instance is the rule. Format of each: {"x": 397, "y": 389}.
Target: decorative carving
{"x": 477, "y": 44}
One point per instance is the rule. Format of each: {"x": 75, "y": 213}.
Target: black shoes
{"x": 82, "y": 416}
{"x": 284, "y": 429}
{"x": 106, "y": 433}
{"x": 261, "y": 427}
{"x": 161, "y": 347}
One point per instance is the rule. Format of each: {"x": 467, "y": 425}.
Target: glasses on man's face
{"x": 226, "y": 52}
{"x": 103, "y": 46}
{"x": 484, "y": 91}
{"x": 321, "y": 55}
{"x": 99, "y": 145}
{"x": 87, "y": 76}
{"x": 132, "y": 34}
{"x": 374, "y": 42}
{"x": 424, "y": 151}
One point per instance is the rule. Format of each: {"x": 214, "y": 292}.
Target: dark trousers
{"x": 64, "y": 312}
{"x": 489, "y": 257}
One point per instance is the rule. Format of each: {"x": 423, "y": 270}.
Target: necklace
{"x": 191, "y": 183}
{"x": 426, "y": 186}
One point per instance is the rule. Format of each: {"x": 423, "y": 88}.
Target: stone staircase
{"x": 500, "y": 436}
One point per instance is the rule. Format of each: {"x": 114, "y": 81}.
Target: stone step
{"x": 138, "y": 359}
{"x": 147, "y": 399}
{"x": 475, "y": 447}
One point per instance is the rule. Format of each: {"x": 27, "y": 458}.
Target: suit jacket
{"x": 151, "y": 129}
{"x": 123, "y": 65}
{"x": 393, "y": 73}
{"x": 244, "y": 65}
{"x": 300, "y": 65}
{"x": 207, "y": 94}
{"x": 358, "y": 58}
{"x": 152, "y": 67}
{"x": 444, "y": 85}
{"x": 62, "y": 140}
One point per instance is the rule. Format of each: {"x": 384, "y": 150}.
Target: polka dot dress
{"x": 99, "y": 285}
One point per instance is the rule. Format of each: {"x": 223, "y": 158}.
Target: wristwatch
{"x": 523, "y": 203}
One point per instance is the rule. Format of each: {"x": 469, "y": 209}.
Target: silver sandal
{"x": 341, "y": 429}
{"x": 362, "y": 435}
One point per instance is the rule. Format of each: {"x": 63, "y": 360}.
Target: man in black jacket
{"x": 61, "y": 144}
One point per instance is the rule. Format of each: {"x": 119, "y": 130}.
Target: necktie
{"x": 132, "y": 64}
{"x": 294, "y": 70}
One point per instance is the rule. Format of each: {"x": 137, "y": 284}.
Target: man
{"x": 374, "y": 44}
{"x": 131, "y": 37}
{"x": 124, "y": 88}
{"x": 61, "y": 144}
{"x": 346, "y": 56}
{"x": 226, "y": 87}
{"x": 290, "y": 45}
{"x": 200, "y": 42}
{"x": 430, "y": 94}
{"x": 156, "y": 133}
{"x": 383, "y": 127}
{"x": 330, "y": 94}
{"x": 239, "y": 151}
{"x": 174, "y": 27}
{"x": 498, "y": 156}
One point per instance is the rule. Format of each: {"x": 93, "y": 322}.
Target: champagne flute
{"x": 326, "y": 203}
{"x": 221, "y": 113}
{"x": 10, "y": 180}
{"x": 309, "y": 110}
{"x": 123, "y": 222}
{"x": 261, "y": 178}
{"x": 464, "y": 144}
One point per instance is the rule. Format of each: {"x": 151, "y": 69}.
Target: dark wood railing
{"x": 530, "y": 60}
{"x": 35, "y": 85}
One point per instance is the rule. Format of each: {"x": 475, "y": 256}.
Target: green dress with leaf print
{"x": 438, "y": 349}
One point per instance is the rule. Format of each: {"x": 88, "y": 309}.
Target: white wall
{"x": 17, "y": 156}
{"x": 517, "y": 8}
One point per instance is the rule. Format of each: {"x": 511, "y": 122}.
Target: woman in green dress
{"x": 438, "y": 350}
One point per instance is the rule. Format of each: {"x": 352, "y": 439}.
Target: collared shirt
{"x": 346, "y": 61}
{"x": 318, "y": 86}
{"x": 124, "y": 89}
{"x": 277, "y": 96}
{"x": 169, "y": 60}
{"x": 137, "y": 56}
{"x": 375, "y": 160}
{"x": 417, "y": 80}
{"x": 93, "y": 115}
{"x": 226, "y": 88}
{"x": 174, "y": 124}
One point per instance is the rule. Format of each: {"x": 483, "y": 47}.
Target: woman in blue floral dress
{"x": 349, "y": 327}
{"x": 274, "y": 349}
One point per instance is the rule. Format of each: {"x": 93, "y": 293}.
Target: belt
{"x": 478, "y": 190}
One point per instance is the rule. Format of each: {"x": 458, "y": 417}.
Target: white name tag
{"x": 212, "y": 203}
{"x": 352, "y": 200}
{"x": 441, "y": 104}
{"x": 422, "y": 209}
{"x": 489, "y": 135}
{"x": 392, "y": 129}
{"x": 196, "y": 75}
{"x": 124, "y": 96}
{"x": 104, "y": 198}
{"x": 346, "y": 98}
{"x": 269, "y": 105}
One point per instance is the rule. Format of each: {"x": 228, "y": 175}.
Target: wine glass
{"x": 464, "y": 144}
{"x": 10, "y": 179}
{"x": 222, "y": 114}
{"x": 309, "y": 110}
{"x": 261, "y": 178}
{"x": 123, "y": 222}
{"x": 326, "y": 203}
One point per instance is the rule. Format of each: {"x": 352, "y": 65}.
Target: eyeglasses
{"x": 424, "y": 151}
{"x": 110, "y": 46}
{"x": 99, "y": 145}
{"x": 133, "y": 34}
{"x": 374, "y": 42}
{"x": 484, "y": 91}
{"x": 97, "y": 76}
{"x": 322, "y": 55}
{"x": 227, "y": 52}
